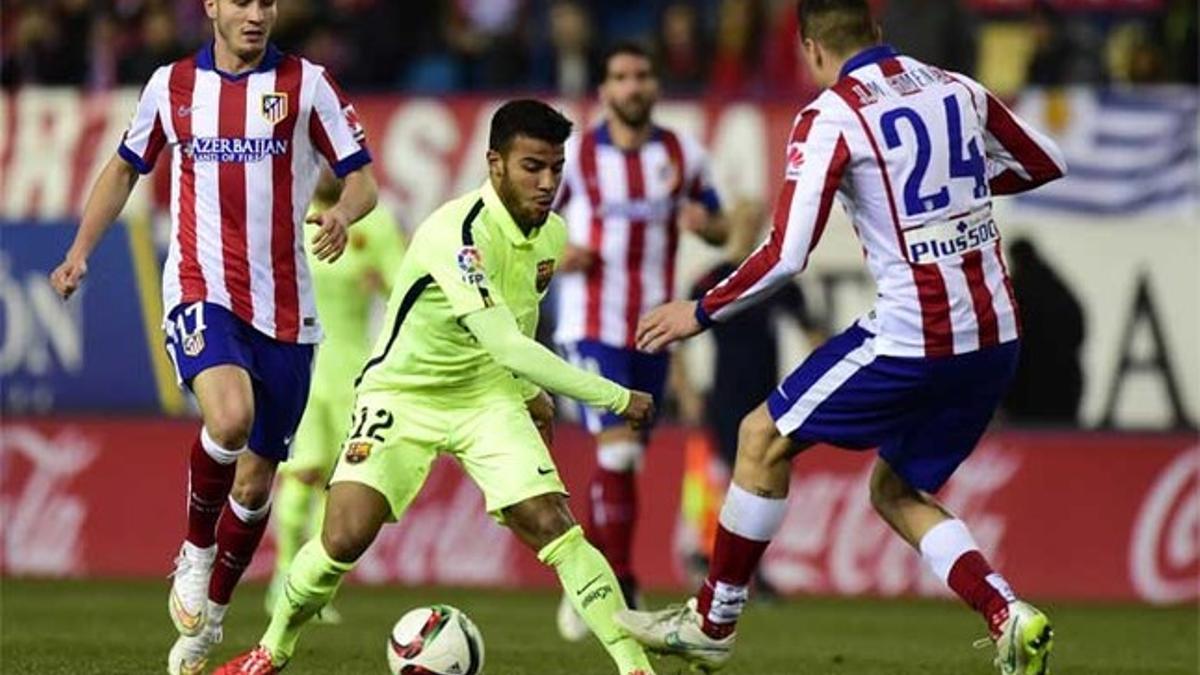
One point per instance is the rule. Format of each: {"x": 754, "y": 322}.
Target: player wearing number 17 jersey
{"x": 247, "y": 127}
{"x": 915, "y": 154}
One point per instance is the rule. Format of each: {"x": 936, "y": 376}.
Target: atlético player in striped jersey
{"x": 630, "y": 187}
{"x": 248, "y": 127}
{"x": 915, "y": 154}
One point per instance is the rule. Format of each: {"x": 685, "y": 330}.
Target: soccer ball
{"x": 435, "y": 640}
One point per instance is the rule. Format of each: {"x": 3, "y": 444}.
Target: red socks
{"x": 613, "y": 514}
{"x": 209, "y": 482}
{"x": 974, "y": 580}
{"x": 238, "y": 534}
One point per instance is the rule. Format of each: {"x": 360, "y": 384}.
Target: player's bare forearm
{"x": 716, "y": 229}
{"x": 109, "y": 194}
{"x": 104, "y": 204}
{"x": 359, "y": 196}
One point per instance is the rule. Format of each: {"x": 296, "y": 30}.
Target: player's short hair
{"x": 840, "y": 25}
{"x": 625, "y": 48}
{"x": 527, "y": 117}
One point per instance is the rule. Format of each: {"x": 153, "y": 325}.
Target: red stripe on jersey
{"x": 1040, "y": 167}
{"x": 981, "y": 298}
{"x": 931, "y": 288}
{"x": 180, "y": 86}
{"x": 595, "y": 273}
{"x": 833, "y": 178}
{"x": 637, "y": 248}
{"x": 283, "y": 227}
{"x": 231, "y": 193}
{"x": 935, "y": 310}
{"x": 157, "y": 140}
{"x": 1008, "y": 288}
{"x": 316, "y": 131}
{"x": 675, "y": 153}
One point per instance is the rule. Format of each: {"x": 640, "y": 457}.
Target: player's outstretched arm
{"x": 104, "y": 204}
{"x": 498, "y": 333}
{"x": 359, "y": 195}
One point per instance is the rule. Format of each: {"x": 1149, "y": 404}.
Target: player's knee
{"x": 310, "y": 477}
{"x": 540, "y": 520}
{"x": 251, "y": 492}
{"x": 229, "y": 425}
{"x": 344, "y": 540}
{"x": 756, "y": 438}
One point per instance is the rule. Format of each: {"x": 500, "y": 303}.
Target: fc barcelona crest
{"x": 545, "y": 270}
{"x": 274, "y": 107}
{"x": 357, "y": 451}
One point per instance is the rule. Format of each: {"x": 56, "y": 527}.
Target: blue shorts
{"x": 203, "y": 335}
{"x": 924, "y": 415}
{"x": 627, "y": 367}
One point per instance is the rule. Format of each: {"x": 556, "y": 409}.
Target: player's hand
{"x": 693, "y": 217}
{"x": 66, "y": 277}
{"x": 640, "y": 410}
{"x": 577, "y": 259}
{"x": 541, "y": 409}
{"x": 330, "y": 240}
{"x": 667, "y": 323}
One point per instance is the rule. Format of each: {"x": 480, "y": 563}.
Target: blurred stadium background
{"x": 1088, "y": 488}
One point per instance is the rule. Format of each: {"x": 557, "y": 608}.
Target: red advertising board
{"x": 1065, "y": 515}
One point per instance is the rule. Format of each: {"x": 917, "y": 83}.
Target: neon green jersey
{"x": 344, "y": 291}
{"x": 468, "y": 255}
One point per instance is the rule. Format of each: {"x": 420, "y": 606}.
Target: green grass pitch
{"x": 119, "y": 628}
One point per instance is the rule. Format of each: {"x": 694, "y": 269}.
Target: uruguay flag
{"x": 1129, "y": 151}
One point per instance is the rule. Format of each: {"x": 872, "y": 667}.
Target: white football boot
{"x": 1025, "y": 640}
{"x": 189, "y": 654}
{"x": 677, "y": 630}
{"x": 188, "y": 599}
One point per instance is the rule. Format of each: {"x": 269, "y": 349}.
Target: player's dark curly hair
{"x": 841, "y": 25}
{"x": 527, "y": 117}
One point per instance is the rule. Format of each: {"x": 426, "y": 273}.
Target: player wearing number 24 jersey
{"x": 914, "y": 154}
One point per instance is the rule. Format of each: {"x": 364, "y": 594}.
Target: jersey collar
{"x": 500, "y": 215}
{"x": 868, "y": 56}
{"x": 207, "y": 60}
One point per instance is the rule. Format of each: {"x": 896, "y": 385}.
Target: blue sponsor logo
{"x": 237, "y": 150}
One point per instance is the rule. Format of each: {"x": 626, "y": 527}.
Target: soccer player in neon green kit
{"x": 345, "y": 293}
{"x": 456, "y": 370}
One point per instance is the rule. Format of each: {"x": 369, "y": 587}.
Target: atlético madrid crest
{"x": 274, "y": 107}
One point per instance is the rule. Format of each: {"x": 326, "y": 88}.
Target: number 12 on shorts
{"x": 370, "y": 424}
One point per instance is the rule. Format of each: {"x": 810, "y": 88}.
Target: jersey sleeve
{"x": 459, "y": 266}
{"x": 335, "y": 129}
{"x": 1020, "y": 157}
{"x": 145, "y": 138}
{"x": 817, "y": 158}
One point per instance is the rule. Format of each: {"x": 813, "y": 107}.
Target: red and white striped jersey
{"x": 915, "y": 155}
{"x": 245, "y": 156}
{"x": 622, "y": 206}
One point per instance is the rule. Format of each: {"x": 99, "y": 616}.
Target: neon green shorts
{"x": 395, "y": 439}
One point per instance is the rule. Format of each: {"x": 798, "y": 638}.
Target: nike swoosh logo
{"x": 673, "y": 641}
{"x": 542, "y": 471}
{"x": 589, "y": 585}
{"x": 188, "y": 620}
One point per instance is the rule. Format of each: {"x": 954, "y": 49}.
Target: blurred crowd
{"x": 705, "y": 47}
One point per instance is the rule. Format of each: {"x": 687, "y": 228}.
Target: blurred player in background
{"x": 629, "y": 187}
{"x": 345, "y": 293}
{"x": 248, "y": 126}
{"x": 916, "y": 155}
{"x": 458, "y": 371}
